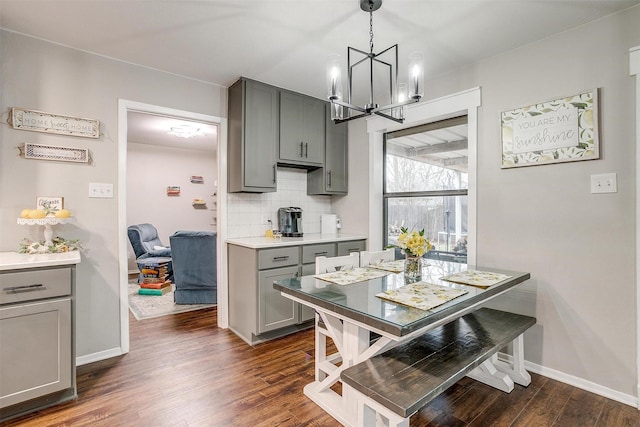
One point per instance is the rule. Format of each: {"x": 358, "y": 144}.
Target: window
{"x": 426, "y": 183}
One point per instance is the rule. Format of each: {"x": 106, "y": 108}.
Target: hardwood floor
{"x": 183, "y": 371}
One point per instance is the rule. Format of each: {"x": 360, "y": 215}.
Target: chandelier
{"x": 398, "y": 94}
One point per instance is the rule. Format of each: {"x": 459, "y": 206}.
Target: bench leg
{"x": 503, "y": 375}
{"x": 488, "y": 374}
{"x": 516, "y": 370}
{"x": 370, "y": 413}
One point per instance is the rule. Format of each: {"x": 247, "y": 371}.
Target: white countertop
{"x": 307, "y": 239}
{"x": 16, "y": 261}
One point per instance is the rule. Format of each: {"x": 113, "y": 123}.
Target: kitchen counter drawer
{"x": 310, "y": 252}
{"x": 279, "y": 257}
{"x": 345, "y": 248}
{"x": 33, "y": 285}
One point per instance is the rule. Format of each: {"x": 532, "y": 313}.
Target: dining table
{"x": 372, "y": 309}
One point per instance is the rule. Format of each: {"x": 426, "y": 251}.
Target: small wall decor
{"x": 199, "y": 204}
{"x": 39, "y": 121}
{"x": 50, "y": 152}
{"x": 173, "y": 190}
{"x": 561, "y": 130}
{"x": 195, "y": 179}
{"x": 49, "y": 204}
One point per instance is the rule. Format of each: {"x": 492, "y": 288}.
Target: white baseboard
{"x": 101, "y": 355}
{"x": 574, "y": 381}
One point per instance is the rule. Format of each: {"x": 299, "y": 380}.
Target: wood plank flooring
{"x": 183, "y": 371}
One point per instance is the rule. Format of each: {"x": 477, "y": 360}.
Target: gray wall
{"x": 48, "y": 77}
{"x": 579, "y": 247}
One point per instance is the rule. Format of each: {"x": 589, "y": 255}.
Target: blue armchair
{"x": 194, "y": 267}
{"x": 147, "y": 245}
{"x": 145, "y": 241}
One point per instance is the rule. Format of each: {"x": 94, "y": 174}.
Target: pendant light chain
{"x": 371, "y": 30}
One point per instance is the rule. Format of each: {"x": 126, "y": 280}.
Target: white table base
{"x": 352, "y": 341}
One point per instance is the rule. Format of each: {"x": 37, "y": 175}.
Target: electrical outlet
{"x": 604, "y": 183}
{"x": 100, "y": 190}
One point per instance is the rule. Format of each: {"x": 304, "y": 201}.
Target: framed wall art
{"x": 561, "y": 130}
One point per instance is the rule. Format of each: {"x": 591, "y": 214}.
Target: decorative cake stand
{"x": 48, "y": 222}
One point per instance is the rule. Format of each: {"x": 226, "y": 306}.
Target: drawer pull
{"x": 321, "y": 253}
{"x": 354, "y": 249}
{"x": 24, "y": 288}
{"x": 280, "y": 258}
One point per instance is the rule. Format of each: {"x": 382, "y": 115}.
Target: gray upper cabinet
{"x": 302, "y": 130}
{"x": 333, "y": 178}
{"x": 253, "y": 137}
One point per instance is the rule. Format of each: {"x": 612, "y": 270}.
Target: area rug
{"x": 149, "y": 306}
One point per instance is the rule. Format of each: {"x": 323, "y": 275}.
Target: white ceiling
{"x": 286, "y": 42}
{"x": 152, "y": 129}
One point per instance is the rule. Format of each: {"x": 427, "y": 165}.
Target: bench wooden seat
{"x": 398, "y": 382}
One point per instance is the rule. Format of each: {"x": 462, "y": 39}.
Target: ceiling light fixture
{"x": 185, "y": 131}
{"x": 397, "y": 95}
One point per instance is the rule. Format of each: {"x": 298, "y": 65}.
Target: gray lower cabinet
{"x": 37, "y": 352}
{"x": 333, "y": 178}
{"x": 253, "y": 137}
{"x": 275, "y": 310}
{"x": 257, "y": 312}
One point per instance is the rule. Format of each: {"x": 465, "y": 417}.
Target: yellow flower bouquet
{"x": 413, "y": 243}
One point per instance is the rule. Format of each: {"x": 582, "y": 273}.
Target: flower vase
{"x": 412, "y": 268}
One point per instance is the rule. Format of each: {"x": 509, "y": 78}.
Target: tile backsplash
{"x": 248, "y": 212}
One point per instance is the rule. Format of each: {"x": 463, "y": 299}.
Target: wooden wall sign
{"x": 39, "y": 121}
{"x": 50, "y": 152}
{"x": 561, "y": 130}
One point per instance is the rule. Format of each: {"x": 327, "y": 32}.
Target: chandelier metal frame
{"x": 371, "y": 59}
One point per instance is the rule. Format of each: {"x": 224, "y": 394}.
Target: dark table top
{"x": 358, "y": 301}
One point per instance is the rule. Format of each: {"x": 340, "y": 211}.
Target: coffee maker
{"x": 290, "y": 221}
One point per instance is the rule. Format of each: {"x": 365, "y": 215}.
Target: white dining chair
{"x": 376, "y": 257}
{"x": 329, "y": 265}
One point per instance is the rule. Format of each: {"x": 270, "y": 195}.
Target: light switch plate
{"x": 604, "y": 183}
{"x": 101, "y": 190}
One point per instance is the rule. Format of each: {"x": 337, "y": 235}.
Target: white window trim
{"x": 461, "y": 103}
{"x": 634, "y": 70}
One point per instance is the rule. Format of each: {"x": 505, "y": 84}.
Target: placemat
{"x": 347, "y": 277}
{"x": 396, "y": 266}
{"x": 482, "y": 279}
{"x": 422, "y": 295}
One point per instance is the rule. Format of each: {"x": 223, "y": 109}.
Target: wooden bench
{"x": 398, "y": 382}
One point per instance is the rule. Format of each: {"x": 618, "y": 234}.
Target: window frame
{"x": 461, "y": 103}
{"x": 386, "y": 195}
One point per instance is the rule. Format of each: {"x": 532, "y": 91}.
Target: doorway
{"x": 125, "y": 110}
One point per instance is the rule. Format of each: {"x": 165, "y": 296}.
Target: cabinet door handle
{"x": 274, "y": 174}
{"x": 329, "y": 178}
{"x": 23, "y": 288}
{"x": 281, "y": 258}
{"x": 306, "y": 149}
{"x": 301, "y": 145}
{"x": 320, "y": 253}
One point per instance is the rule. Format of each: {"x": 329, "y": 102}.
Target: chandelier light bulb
{"x": 334, "y": 83}
{"x": 416, "y": 75}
